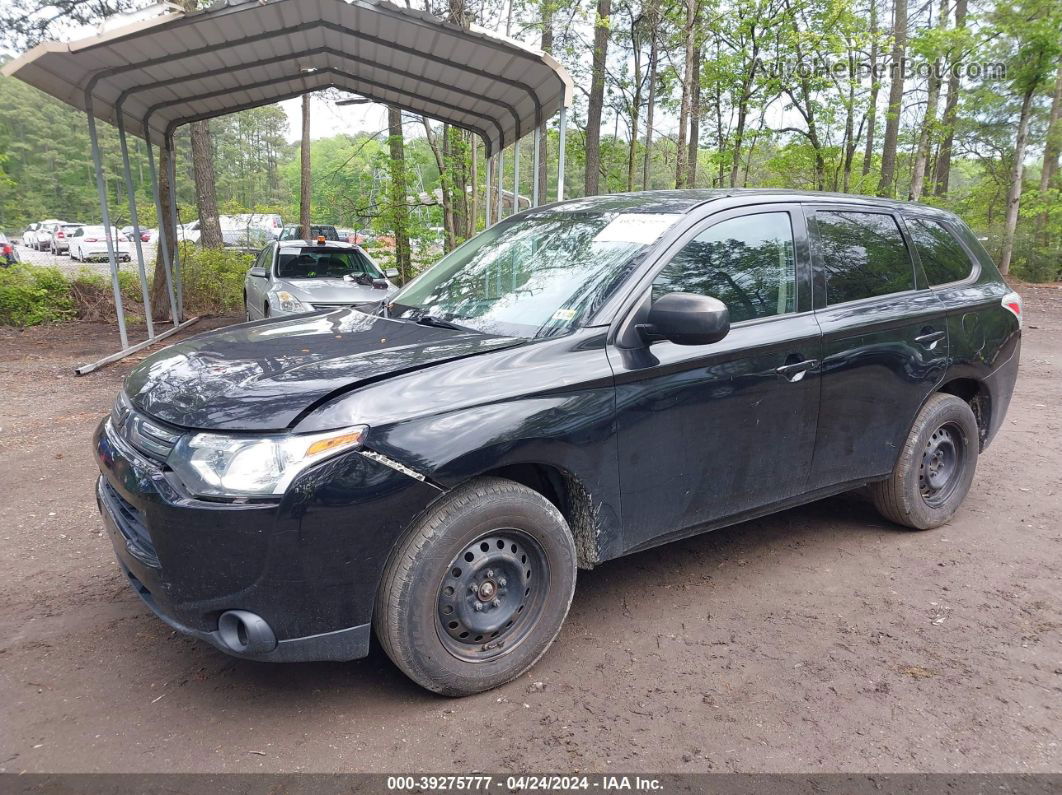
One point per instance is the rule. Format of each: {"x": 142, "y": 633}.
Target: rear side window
{"x": 943, "y": 259}
{"x": 747, "y": 263}
{"x": 864, "y": 255}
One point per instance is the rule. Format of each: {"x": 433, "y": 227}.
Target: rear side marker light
{"x": 1012, "y": 303}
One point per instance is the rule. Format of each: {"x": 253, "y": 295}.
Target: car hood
{"x": 265, "y": 375}
{"x": 334, "y": 291}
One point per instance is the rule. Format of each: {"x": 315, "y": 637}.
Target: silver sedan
{"x": 294, "y": 276}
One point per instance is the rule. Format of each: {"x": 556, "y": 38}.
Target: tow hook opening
{"x": 246, "y": 633}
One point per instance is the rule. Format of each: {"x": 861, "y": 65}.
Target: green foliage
{"x": 30, "y": 296}
{"x": 213, "y": 279}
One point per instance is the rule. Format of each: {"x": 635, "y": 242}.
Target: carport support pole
{"x": 486, "y": 204}
{"x": 516, "y": 177}
{"x": 534, "y": 167}
{"x": 163, "y": 244}
{"x": 501, "y": 176}
{"x": 560, "y": 153}
{"x": 144, "y": 292}
{"x": 101, "y": 188}
{"x": 179, "y": 284}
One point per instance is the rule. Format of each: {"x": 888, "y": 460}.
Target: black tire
{"x": 935, "y": 468}
{"x": 490, "y": 533}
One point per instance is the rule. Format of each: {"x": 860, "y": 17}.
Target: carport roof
{"x": 178, "y": 67}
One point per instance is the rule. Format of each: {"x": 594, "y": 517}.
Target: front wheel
{"x": 478, "y": 589}
{"x": 935, "y": 468}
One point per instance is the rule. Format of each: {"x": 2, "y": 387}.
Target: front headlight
{"x": 217, "y": 465}
{"x": 289, "y": 303}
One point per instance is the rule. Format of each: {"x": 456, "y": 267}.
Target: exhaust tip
{"x": 246, "y": 633}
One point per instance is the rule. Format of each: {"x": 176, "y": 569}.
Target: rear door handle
{"x": 929, "y": 339}
{"x": 795, "y": 371}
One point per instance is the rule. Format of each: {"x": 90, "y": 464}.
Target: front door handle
{"x": 929, "y": 339}
{"x": 795, "y": 371}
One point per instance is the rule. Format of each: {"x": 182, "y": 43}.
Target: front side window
{"x": 536, "y": 275}
{"x": 325, "y": 263}
{"x": 863, "y": 254}
{"x": 943, "y": 259}
{"x": 747, "y": 263}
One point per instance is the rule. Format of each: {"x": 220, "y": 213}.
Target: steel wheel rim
{"x": 492, "y": 595}
{"x": 940, "y": 469}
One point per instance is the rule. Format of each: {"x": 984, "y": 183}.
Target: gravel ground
{"x": 819, "y": 639}
{"x": 70, "y": 267}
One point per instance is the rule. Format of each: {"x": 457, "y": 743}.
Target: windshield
{"x": 534, "y": 276}
{"x": 325, "y": 263}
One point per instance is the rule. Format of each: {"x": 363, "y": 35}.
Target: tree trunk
{"x": 636, "y": 105}
{"x": 942, "y": 171}
{"x": 690, "y": 36}
{"x": 205, "y": 196}
{"x": 875, "y": 85}
{"x": 849, "y": 124}
{"x": 695, "y": 123}
{"x": 892, "y": 123}
{"x": 439, "y": 152}
{"x": 919, "y": 172}
{"x": 1014, "y": 197}
{"x": 654, "y": 24}
{"x": 591, "y": 180}
{"x": 400, "y": 212}
{"x": 1052, "y": 146}
{"x": 160, "y": 297}
{"x": 304, "y": 173}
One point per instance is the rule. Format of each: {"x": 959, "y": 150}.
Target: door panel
{"x": 708, "y": 432}
{"x": 883, "y": 353}
{"x": 880, "y": 362}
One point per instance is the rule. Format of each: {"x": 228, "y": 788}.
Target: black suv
{"x": 578, "y": 382}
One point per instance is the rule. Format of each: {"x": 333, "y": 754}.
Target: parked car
{"x": 294, "y": 232}
{"x": 188, "y": 232}
{"x": 578, "y": 382}
{"x": 42, "y": 235}
{"x": 8, "y": 252}
{"x": 29, "y": 236}
{"x": 250, "y": 230}
{"x": 146, "y": 235}
{"x": 59, "y": 239}
{"x": 90, "y": 242}
{"x": 291, "y": 277}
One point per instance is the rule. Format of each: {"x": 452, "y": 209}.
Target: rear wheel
{"x": 935, "y": 468}
{"x": 478, "y": 589}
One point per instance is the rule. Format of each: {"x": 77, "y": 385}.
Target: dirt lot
{"x": 819, "y": 639}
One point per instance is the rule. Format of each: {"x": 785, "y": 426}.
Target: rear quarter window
{"x": 943, "y": 259}
{"x": 863, "y": 254}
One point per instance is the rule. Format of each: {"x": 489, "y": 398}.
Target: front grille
{"x": 332, "y": 306}
{"x": 131, "y": 525}
{"x": 146, "y": 436}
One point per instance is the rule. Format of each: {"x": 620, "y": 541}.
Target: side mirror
{"x": 687, "y": 319}
{"x": 380, "y": 284}
{"x": 258, "y": 273}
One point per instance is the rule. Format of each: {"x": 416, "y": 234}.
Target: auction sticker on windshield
{"x": 643, "y": 228}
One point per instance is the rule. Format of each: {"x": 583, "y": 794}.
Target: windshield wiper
{"x": 438, "y": 322}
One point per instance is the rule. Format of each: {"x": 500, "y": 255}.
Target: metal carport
{"x": 152, "y": 75}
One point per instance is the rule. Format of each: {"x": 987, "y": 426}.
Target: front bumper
{"x": 307, "y": 567}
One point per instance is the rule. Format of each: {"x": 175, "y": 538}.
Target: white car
{"x": 90, "y": 242}
{"x": 29, "y": 237}
{"x": 41, "y": 239}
